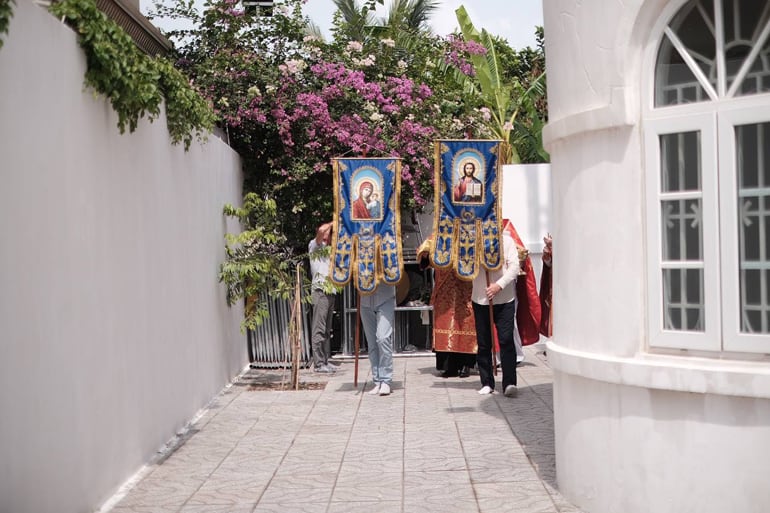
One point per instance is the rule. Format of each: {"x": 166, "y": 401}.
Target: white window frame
{"x": 709, "y": 339}
{"x": 733, "y": 338}
{"x": 715, "y": 121}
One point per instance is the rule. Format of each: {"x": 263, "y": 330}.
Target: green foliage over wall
{"x": 134, "y": 82}
{"x": 6, "y": 11}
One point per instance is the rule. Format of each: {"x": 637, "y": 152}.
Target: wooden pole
{"x": 492, "y": 330}
{"x": 295, "y": 334}
{"x": 357, "y": 339}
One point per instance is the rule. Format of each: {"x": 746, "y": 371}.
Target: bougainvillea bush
{"x": 289, "y": 102}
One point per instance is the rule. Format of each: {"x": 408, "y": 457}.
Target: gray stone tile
{"x": 513, "y": 472}
{"x": 217, "y": 508}
{"x": 228, "y": 489}
{"x": 293, "y": 507}
{"x": 529, "y": 497}
{"x": 173, "y": 490}
{"x": 441, "y": 506}
{"x": 428, "y": 479}
{"x": 144, "y": 509}
{"x": 369, "y": 507}
{"x": 303, "y": 466}
{"x": 368, "y": 464}
{"x": 308, "y": 488}
{"x": 438, "y": 487}
{"x": 426, "y": 465}
{"x": 433, "y": 445}
{"x": 431, "y": 449}
{"x": 368, "y": 490}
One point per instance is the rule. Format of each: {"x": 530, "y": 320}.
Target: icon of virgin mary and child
{"x": 367, "y": 205}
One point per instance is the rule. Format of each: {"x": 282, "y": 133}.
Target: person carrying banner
{"x": 322, "y": 299}
{"x": 378, "y": 311}
{"x": 454, "y": 331}
{"x": 499, "y": 289}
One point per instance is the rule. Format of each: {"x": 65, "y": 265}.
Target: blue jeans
{"x": 378, "y": 327}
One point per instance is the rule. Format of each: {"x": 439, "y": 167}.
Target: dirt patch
{"x": 257, "y": 387}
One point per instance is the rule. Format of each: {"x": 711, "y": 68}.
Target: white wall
{"x": 526, "y": 201}
{"x": 114, "y": 330}
{"x": 635, "y": 432}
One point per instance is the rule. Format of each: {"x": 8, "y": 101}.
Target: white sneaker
{"x": 384, "y": 389}
{"x": 510, "y": 391}
{"x": 485, "y": 390}
{"x": 375, "y": 390}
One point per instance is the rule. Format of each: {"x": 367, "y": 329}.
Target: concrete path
{"x": 433, "y": 445}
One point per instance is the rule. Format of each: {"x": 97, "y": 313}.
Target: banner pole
{"x": 357, "y": 338}
{"x": 492, "y": 330}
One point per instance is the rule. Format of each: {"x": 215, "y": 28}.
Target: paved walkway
{"x": 434, "y": 445}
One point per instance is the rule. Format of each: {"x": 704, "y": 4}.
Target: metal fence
{"x": 268, "y": 344}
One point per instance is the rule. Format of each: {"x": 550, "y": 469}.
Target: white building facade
{"x": 659, "y": 135}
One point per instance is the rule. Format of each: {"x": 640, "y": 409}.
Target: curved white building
{"x": 659, "y": 138}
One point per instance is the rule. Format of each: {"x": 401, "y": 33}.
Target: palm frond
{"x": 349, "y": 9}
{"x": 313, "y": 29}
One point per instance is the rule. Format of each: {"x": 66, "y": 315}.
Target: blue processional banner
{"x": 366, "y": 239}
{"x": 466, "y": 221}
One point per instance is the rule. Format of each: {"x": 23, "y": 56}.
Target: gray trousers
{"x": 323, "y": 309}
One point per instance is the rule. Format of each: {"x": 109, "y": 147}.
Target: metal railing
{"x": 269, "y": 345}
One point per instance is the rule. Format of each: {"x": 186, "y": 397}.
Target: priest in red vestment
{"x": 454, "y": 329}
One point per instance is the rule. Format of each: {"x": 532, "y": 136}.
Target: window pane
{"x": 743, "y": 22}
{"x": 682, "y": 235}
{"x": 680, "y": 162}
{"x": 750, "y": 213}
{"x": 748, "y": 153}
{"x": 754, "y": 302}
{"x": 694, "y": 26}
{"x": 674, "y": 82}
{"x": 683, "y": 299}
{"x": 752, "y": 163}
{"x": 752, "y": 291}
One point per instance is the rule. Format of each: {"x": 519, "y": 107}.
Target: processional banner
{"x": 466, "y": 218}
{"x": 366, "y": 240}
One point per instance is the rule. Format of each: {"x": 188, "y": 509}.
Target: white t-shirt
{"x": 319, "y": 266}
{"x": 505, "y": 277}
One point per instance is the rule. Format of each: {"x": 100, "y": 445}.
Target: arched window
{"x": 707, "y": 158}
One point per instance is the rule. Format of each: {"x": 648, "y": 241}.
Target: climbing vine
{"x": 6, "y": 11}
{"x": 135, "y": 83}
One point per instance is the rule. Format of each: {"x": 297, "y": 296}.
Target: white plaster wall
{"x": 526, "y": 201}
{"x": 639, "y": 450}
{"x": 598, "y": 248}
{"x": 635, "y": 433}
{"x": 114, "y": 330}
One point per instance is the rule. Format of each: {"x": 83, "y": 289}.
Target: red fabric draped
{"x": 528, "y": 313}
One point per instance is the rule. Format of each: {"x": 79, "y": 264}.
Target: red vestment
{"x": 454, "y": 328}
{"x": 528, "y": 311}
